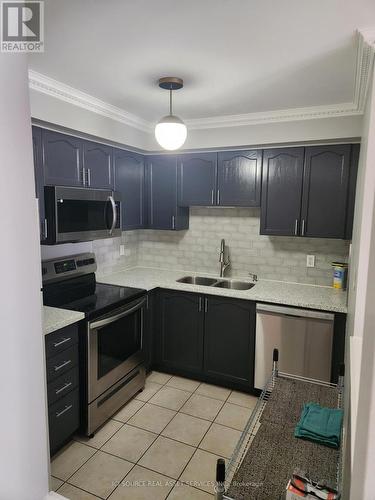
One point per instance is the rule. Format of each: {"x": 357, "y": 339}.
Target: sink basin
{"x": 198, "y": 280}
{"x": 234, "y": 285}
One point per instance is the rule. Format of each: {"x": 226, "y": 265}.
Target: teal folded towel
{"x": 319, "y": 424}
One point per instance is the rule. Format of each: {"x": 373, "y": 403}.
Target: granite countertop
{"x": 293, "y": 294}
{"x": 54, "y": 318}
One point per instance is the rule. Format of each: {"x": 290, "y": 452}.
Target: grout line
{"x": 82, "y": 489}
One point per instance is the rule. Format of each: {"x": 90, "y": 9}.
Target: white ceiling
{"x": 235, "y": 56}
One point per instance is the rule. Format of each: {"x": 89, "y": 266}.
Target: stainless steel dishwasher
{"x": 302, "y": 336}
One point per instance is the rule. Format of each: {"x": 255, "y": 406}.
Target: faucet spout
{"x": 224, "y": 264}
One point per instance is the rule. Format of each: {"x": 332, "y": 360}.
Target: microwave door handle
{"x": 115, "y": 317}
{"x": 114, "y": 214}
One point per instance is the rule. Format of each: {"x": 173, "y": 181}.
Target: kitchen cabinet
{"x": 62, "y": 159}
{"x": 352, "y": 189}
{"x": 309, "y": 191}
{"x": 97, "y": 165}
{"x": 39, "y": 179}
{"x": 281, "y": 191}
{"x": 129, "y": 182}
{"x": 209, "y": 337}
{"x": 180, "y": 343}
{"x": 62, "y": 374}
{"x": 229, "y": 339}
{"x": 239, "y": 175}
{"x": 148, "y": 329}
{"x": 162, "y": 209}
{"x": 325, "y": 191}
{"x": 197, "y": 179}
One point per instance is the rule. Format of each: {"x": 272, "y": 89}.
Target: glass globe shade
{"x": 171, "y": 132}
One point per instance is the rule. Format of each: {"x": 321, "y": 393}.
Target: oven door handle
{"x": 114, "y": 213}
{"x": 115, "y": 317}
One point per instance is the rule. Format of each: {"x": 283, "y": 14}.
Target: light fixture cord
{"x": 170, "y": 101}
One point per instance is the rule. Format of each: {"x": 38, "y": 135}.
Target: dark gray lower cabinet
{"x": 181, "y": 320}
{"x": 62, "y": 385}
{"x": 209, "y": 337}
{"x": 229, "y": 339}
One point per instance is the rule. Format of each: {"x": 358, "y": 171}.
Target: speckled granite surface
{"x": 54, "y": 318}
{"x": 278, "y": 292}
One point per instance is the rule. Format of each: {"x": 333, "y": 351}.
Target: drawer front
{"x": 62, "y": 363}
{"x": 62, "y": 386}
{"x": 63, "y": 419}
{"x": 62, "y": 339}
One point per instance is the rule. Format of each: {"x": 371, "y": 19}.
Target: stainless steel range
{"x": 111, "y": 337}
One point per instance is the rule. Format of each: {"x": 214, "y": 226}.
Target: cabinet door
{"x": 39, "y": 179}
{"x": 325, "y": 191}
{"x": 281, "y": 191}
{"x": 62, "y": 159}
{"x": 181, "y": 331}
{"x": 197, "y": 179}
{"x": 354, "y": 158}
{"x": 229, "y": 339}
{"x": 129, "y": 182}
{"x": 239, "y": 178}
{"x": 97, "y": 162}
{"x": 163, "y": 212}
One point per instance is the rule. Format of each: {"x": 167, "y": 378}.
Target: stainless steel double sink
{"x": 216, "y": 282}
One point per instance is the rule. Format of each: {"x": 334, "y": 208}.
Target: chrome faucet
{"x": 223, "y": 264}
{"x": 253, "y": 276}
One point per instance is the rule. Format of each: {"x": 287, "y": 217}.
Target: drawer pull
{"x": 68, "y": 384}
{"x": 67, "y": 408}
{"x": 57, "y": 368}
{"x": 57, "y": 344}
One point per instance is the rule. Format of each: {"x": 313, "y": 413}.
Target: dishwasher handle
{"x": 294, "y": 312}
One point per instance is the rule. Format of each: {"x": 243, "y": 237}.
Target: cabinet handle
{"x": 84, "y": 176}
{"x": 173, "y": 222}
{"x": 206, "y": 305}
{"x": 212, "y": 196}
{"x": 200, "y": 304}
{"x": 303, "y": 227}
{"x": 45, "y": 228}
{"x": 296, "y": 227}
{"x": 67, "y": 408}
{"x": 57, "y": 344}
{"x": 57, "y": 368}
{"x": 89, "y": 176}
{"x": 63, "y": 388}
{"x": 218, "y": 196}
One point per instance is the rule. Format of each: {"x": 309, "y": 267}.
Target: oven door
{"x": 114, "y": 346}
{"x": 76, "y": 214}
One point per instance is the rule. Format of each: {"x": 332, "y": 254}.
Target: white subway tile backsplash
{"x": 197, "y": 249}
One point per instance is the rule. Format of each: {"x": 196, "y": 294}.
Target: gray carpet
{"x": 275, "y": 453}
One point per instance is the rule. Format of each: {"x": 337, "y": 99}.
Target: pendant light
{"x": 170, "y": 131}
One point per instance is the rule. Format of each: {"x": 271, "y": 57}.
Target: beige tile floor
{"x": 162, "y": 444}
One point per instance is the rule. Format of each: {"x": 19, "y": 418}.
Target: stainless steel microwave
{"x": 81, "y": 214}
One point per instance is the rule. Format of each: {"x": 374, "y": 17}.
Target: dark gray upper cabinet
{"x": 129, "y": 182}
{"x": 354, "y": 158}
{"x": 325, "y": 191}
{"x": 62, "y": 159}
{"x": 229, "y": 340}
{"x": 39, "y": 179}
{"x": 239, "y": 178}
{"x": 162, "y": 209}
{"x": 197, "y": 179}
{"x": 281, "y": 191}
{"x": 180, "y": 342}
{"x": 97, "y": 165}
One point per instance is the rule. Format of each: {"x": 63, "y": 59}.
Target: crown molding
{"x": 365, "y": 61}
{"x": 46, "y": 85}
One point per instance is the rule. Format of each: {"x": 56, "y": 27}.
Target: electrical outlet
{"x": 310, "y": 260}
{"x": 122, "y": 250}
